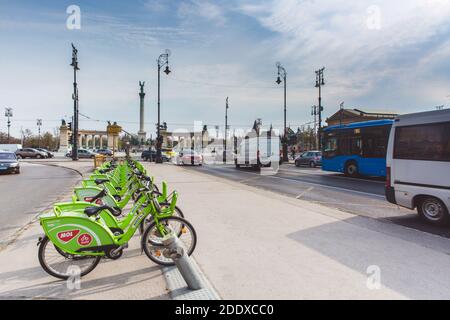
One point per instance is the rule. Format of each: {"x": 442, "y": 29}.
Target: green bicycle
{"x": 77, "y": 240}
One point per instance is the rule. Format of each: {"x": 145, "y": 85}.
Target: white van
{"x": 10, "y": 147}
{"x": 258, "y": 151}
{"x": 418, "y": 164}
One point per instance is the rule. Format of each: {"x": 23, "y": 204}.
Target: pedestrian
{"x": 293, "y": 153}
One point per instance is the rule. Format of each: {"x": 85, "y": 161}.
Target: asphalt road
{"x": 22, "y": 195}
{"x": 364, "y": 197}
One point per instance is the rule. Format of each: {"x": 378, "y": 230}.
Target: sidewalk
{"x": 255, "y": 244}
{"x": 133, "y": 276}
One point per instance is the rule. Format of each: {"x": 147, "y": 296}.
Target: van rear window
{"x": 430, "y": 142}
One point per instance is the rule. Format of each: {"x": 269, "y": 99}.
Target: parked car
{"x": 189, "y": 157}
{"x": 9, "y": 163}
{"x": 82, "y": 153}
{"x": 30, "y": 153}
{"x": 105, "y": 152}
{"x": 49, "y": 154}
{"x": 309, "y": 158}
{"x": 150, "y": 155}
{"x": 418, "y": 164}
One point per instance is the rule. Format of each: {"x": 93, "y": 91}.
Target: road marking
{"x": 320, "y": 185}
{"x": 306, "y": 191}
{"x": 326, "y": 174}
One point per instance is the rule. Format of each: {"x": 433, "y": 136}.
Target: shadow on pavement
{"x": 58, "y": 289}
{"x": 408, "y": 266}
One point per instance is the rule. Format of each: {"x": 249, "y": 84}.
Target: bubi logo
{"x": 66, "y": 236}
{"x": 85, "y": 239}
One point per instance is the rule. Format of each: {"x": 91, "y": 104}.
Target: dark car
{"x": 309, "y": 158}
{"x": 105, "y": 152}
{"x": 150, "y": 155}
{"x": 9, "y": 163}
{"x": 30, "y": 153}
{"x": 49, "y": 154}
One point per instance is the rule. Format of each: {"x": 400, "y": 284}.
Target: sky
{"x": 378, "y": 55}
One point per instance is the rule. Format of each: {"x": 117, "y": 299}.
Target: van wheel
{"x": 351, "y": 169}
{"x": 433, "y": 210}
{"x": 312, "y": 164}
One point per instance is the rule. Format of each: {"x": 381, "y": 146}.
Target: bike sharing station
{"x": 117, "y": 201}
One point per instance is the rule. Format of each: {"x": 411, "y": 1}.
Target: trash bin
{"x": 99, "y": 159}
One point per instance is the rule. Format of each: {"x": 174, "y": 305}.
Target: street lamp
{"x": 8, "y": 114}
{"x": 319, "y": 83}
{"x": 282, "y": 74}
{"x": 225, "y": 136}
{"x": 163, "y": 60}
{"x": 74, "y": 64}
{"x": 39, "y": 124}
{"x": 314, "y": 112}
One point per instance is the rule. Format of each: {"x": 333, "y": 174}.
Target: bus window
{"x": 330, "y": 147}
{"x": 423, "y": 142}
{"x": 375, "y": 142}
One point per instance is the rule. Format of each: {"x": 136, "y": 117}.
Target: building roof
{"x": 349, "y": 113}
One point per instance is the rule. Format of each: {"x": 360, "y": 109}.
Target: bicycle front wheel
{"x": 152, "y": 238}
{"x": 176, "y": 213}
{"x": 62, "y": 265}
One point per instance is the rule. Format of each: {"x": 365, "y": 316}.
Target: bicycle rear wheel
{"x": 152, "y": 238}
{"x": 62, "y": 265}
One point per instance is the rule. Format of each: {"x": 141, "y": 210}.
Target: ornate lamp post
{"x": 282, "y": 74}
{"x": 163, "y": 60}
{"x": 74, "y": 64}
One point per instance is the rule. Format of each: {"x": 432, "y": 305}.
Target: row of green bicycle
{"x": 106, "y": 211}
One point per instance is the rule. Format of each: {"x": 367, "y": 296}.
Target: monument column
{"x": 141, "y": 133}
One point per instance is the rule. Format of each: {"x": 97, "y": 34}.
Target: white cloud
{"x": 204, "y": 9}
{"x": 334, "y": 33}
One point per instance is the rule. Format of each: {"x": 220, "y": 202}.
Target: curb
{"x": 55, "y": 165}
{"x": 178, "y": 289}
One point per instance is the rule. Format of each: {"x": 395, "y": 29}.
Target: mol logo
{"x": 85, "y": 239}
{"x": 66, "y": 236}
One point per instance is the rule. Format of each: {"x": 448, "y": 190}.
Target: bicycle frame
{"x": 94, "y": 235}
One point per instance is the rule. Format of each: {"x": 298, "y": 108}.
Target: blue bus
{"x": 357, "y": 148}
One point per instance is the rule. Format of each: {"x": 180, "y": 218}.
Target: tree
{"x": 4, "y": 139}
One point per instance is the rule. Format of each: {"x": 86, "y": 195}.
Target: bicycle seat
{"x": 92, "y": 211}
{"x": 100, "y": 181}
